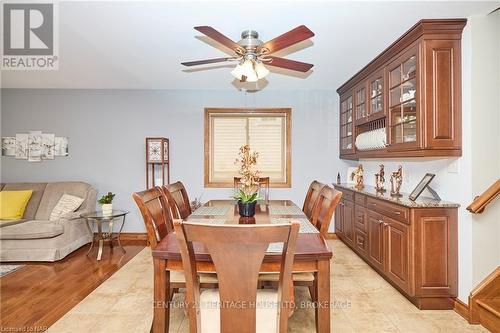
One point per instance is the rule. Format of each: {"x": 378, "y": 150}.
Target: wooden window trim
{"x": 288, "y": 126}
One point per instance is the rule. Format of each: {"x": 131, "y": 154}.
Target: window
{"x": 267, "y": 131}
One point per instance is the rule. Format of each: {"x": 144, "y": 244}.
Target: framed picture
{"x": 35, "y": 146}
{"x": 350, "y": 171}
{"x": 421, "y": 186}
{"x": 61, "y": 146}
{"x": 9, "y": 146}
{"x": 48, "y": 146}
{"x": 22, "y": 146}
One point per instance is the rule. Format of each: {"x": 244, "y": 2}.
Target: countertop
{"x": 421, "y": 202}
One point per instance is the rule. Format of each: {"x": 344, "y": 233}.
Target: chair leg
{"x": 292, "y": 299}
{"x": 312, "y": 291}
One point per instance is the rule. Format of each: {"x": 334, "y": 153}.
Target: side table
{"x": 99, "y": 218}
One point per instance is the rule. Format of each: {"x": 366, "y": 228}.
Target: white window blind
{"x": 266, "y": 133}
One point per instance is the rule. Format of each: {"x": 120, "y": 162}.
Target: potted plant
{"x": 106, "y": 202}
{"x": 248, "y": 192}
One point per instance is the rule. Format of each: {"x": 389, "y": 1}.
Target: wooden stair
{"x": 484, "y": 303}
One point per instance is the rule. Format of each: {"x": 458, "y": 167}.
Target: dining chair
{"x": 237, "y": 252}
{"x": 174, "y": 212}
{"x": 312, "y": 198}
{"x": 179, "y": 194}
{"x": 263, "y": 184}
{"x": 327, "y": 202}
{"x": 321, "y": 216}
{"x": 157, "y": 216}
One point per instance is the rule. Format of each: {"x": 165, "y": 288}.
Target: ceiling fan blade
{"x": 206, "y": 61}
{"x": 288, "y": 64}
{"x": 218, "y": 37}
{"x": 287, "y": 39}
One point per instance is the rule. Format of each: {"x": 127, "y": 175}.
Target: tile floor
{"x": 364, "y": 303}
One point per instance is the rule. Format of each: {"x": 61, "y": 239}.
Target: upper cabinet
{"x": 407, "y": 101}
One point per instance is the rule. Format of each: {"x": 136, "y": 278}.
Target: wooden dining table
{"x": 312, "y": 254}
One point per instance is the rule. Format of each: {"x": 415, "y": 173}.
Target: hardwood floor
{"x": 37, "y": 295}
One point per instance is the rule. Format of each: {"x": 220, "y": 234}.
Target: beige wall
{"x": 485, "y": 126}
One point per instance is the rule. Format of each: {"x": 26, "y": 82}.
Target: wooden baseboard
{"x": 133, "y": 236}
{"x": 331, "y": 235}
{"x": 461, "y": 308}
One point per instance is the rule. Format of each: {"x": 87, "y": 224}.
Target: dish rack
{"x": 372, "y": 136}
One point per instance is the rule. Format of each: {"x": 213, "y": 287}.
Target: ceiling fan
{"x": 251, "y": 53}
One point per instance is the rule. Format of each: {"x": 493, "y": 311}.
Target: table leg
{"x": 119, "y": 233}
{"x": 110, "y": 232}
{"x": 92, "y": 234}
{"x": 161, "y": 311}
{"x": 101, "y": 241}
{"x": 323, "y": 297}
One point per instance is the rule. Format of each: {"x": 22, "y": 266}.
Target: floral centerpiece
{"x": 247, "y": 193}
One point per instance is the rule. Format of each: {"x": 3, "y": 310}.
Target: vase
{"x": 246, "y": 208}
{"x": 107, "y": 209}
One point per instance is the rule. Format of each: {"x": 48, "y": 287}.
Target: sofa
{"x": 35, "y": 237}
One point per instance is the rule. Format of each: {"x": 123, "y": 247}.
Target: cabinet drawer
{"x": 347, "y": 195}
{"x": 360, "y": 199}
{"x": 361, "y": 243}
{"x": 360, "y": 219}
{"x": 397, "y": 212}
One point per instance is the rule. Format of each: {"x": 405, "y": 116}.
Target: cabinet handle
{"x": 360, "y": 242}
{"x": 373, "y": 204}
{"x": 386, "y": 224}
{"x": 380, "y": 221}
{"x": 396, "y": 212}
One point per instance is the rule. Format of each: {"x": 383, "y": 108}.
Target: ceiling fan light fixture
{"x": 237, "y": 72}
{"x": 261, "y": 70}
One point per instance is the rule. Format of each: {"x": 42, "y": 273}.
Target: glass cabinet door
{"x": 376, "y": 95}
{"x": 361, "y": 103}
{"x": 346, "y": 125}
{"x": 402, "y": 101}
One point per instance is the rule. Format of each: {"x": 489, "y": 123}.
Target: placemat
{"x": 212, "y": 211}
{"x": 208, "y": 221}
{"x": 306, "y": 227}
{"x": 285, "y": 210}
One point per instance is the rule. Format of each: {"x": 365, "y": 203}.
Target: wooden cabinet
{"x": 376, "y": 239}
{"x": 397, "y": 253}
{"x": 410, "y": 95}
{"x": 346, "y": 125}
{"x": 413, "y": 245}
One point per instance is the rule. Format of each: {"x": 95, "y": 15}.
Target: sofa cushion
{"x": 54, "y": 191}
{"x": 13, "y": 204}
{"x": 38, "y": 189}
{"x": 31, "y": 230}
{"x": 67, "y": 204}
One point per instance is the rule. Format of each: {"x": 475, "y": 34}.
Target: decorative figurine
{"x": 338, "y": 177}
{"x": 396, "y": 181}
{"x": 380, "y": 179}
{"x": 358, "y": 173}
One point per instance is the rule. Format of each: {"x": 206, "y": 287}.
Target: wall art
{"x": 9, "y": 146}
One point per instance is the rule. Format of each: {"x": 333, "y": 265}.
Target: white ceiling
{"x": 139, "y": 45}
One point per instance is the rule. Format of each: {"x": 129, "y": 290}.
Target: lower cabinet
{"x": 397, "y": 253}
{"x": 348, "y": 216}
{"x": 376, "y": 239}
{"x": 414, "y": 248}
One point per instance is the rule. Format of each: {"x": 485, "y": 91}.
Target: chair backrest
{"x": 263, "y": 184}
{"x": 312, "y": 198}
{"x": 171, "y": 202}
{"x": 323, "y": 211}
{"x": 178, "y": 192}
{"x": 237, "y": 252}
{"x": 156, "y": 213}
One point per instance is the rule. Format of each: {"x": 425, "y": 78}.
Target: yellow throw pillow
{"x": 13, "y": 204}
